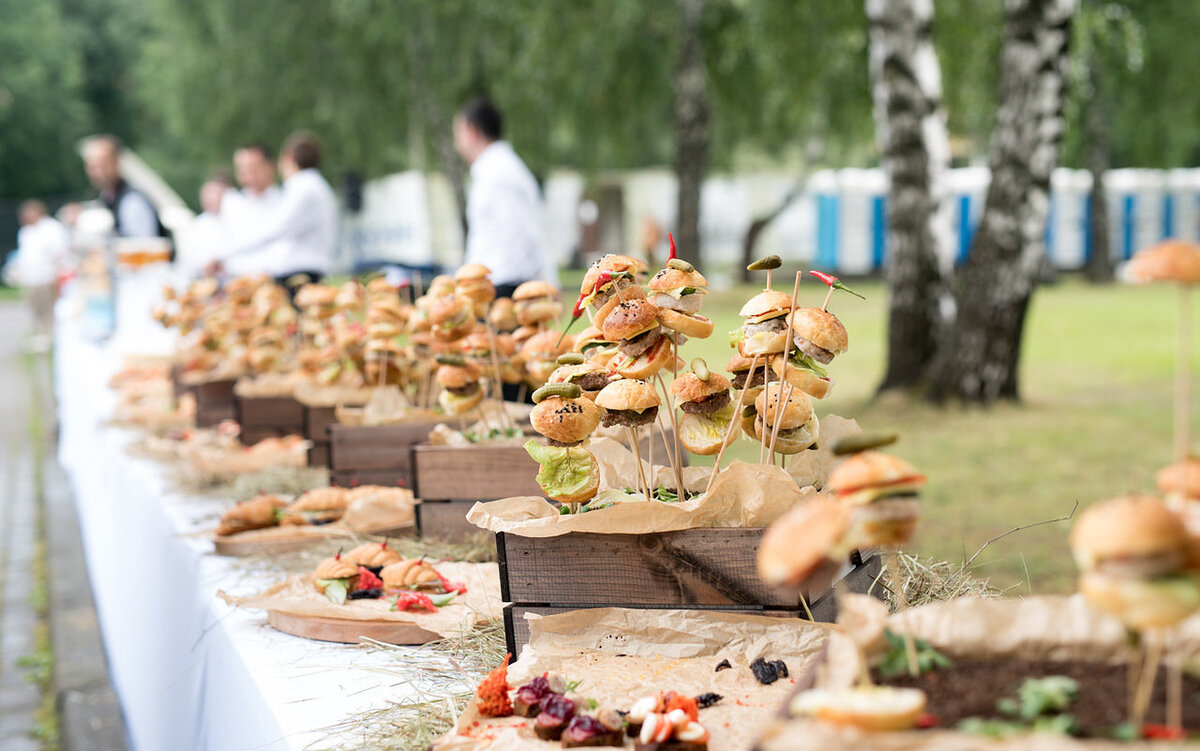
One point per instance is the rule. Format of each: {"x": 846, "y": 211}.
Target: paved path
{"x": 33, "y": 488}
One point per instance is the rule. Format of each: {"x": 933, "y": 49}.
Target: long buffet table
{"x": 191, "y": 671}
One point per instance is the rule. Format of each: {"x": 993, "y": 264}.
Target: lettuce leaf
{"x": 564, "y": 470}
{"x": 335, "y": 589}
{"x": 801, "y": 360}
{"x": 443, "y": 600}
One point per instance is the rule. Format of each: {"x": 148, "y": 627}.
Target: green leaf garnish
{"x": 335, "y": 589}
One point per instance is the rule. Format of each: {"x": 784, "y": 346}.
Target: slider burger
{"x": 569, "y": 473}
{"x": 1132, "y": 553}
{"x": 459, "y": 379}
{"x": 259, "y": 512}
{"x": 742, "y": 378}
{"x": 477, "y": 347}
{"x": 440, "y": 286}
{"x": 764, "y": 331}
{"x": 642, "y": 349}
{"x": 870, "y": 708}
{"x": 410, "y": 574}
{"x": 451, "y": 317}
{"x": 503, "y": 315}
{"x": 819, "y": 337}
{"x": 335, "y": 577}
{"x": 373, "y": 556}
{"x": 316, "y": 300}
{"x": 881, "y": 490}
{"x": 540, "y": 353}
{"x": 1180, "y": 482}
{"x": 678, "y": 292}
{"x": 471, "y": 281}
{"x": 628, "y": 403}
{"x": 593, "y": 346}
{"x": 590, "y": 377}
{"x": 536, "y": 302}
{"x": 805, "y": 544}
{"x": 383, "y": 357}
{"x": 317, "y": 506}
{"x": 350, "y": 297}
{"x": 622, "y": 269}
{"x": 704, "y": 399}
{"x": 798, "y": 426}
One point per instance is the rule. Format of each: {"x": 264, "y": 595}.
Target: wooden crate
{"x": 318, "y": 454}
{"x": 210, "y": 414}
{"x": 689, "y": 569}
{"x": 282, "y": 413}
{"x": 380, "y": 454}
{"x": 451, "y": 479}
{"x": 214, "y": 401}
{"x": 316, "y": 429}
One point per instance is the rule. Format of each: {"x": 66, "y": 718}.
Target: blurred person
{"x": 133, "y": 214}
{"x": 204, "y": 241}
{"x": 43, "y": 252}
{"x": 302, "y": 225}
{"x": 254, "y": 168}
{"x": 504, "y": 206}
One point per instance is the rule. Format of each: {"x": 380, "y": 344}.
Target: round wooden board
{"x": 348, "y": 631}
{"x": 232, "y": 546}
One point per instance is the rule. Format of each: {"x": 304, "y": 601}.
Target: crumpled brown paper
{"x": 268, "y": 385}
{"x": 621, "y": 655}
{"x": 1034, "y": 628}
{"x": 297, "y": 595}
{"x": 312, "y": 394}
{"x": 240, "y": 460}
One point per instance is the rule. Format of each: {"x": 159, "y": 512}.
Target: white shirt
{"x": 241, "y": 212}
{"x": 199, "y": 243}
{"x": 43, "y": 249}
{"x": 303, "y": 224}
{"x": 137, "y": 217}
{"x": 505, "y": 219}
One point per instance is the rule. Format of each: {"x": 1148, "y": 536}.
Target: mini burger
{"x": 870, "y": 708}
{"x": 805, "y": 545}
{"x": 881, "y": 490}
{"x": 628, "y": 403}
{"x": 704, "y": 399}
{"x": 540, "y": 353}
{"x": 1180, "y": 482}
{"x": 741, "y": 377}
{"x": 410, "y": 574}
{"x": 623, "y": 271}
{"x": 536, "y": 302}
{"x": 1132, "y": 553}
{"x": 593, "y": 346}
{"x": 503, "y": 315}
{"x": 451, "y": 317}
{"x": 316, "y": 300}
{"x": 590, "y": 377}
{"x": 459, "y": 379}
{"x": 382, "y": 361}
{"x": 317, "y": 506}
{"x": 372, "y": 556}
{"x": 818, "y": 336}
{"x": 569, "y": 473}
{"x": 764, "y": 330}
{"x": 678, "y": 292}
{"x": 335, "y": 578}
{"x": 642, "y": 348}
{"x": 471, "y": 281}
{"x": 440, "y": 286}
{"x": 792, "y": 410}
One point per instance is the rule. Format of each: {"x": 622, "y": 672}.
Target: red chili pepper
{"x": 926, "y": 720}
{"x": 1163, "y": 733}
{"x": 450, "y": 586}
{"x": 836, "y": 283}
{"x": 367, "y": 580}
{"x": 672, "y": 239}
{"x": 414, "y": 601}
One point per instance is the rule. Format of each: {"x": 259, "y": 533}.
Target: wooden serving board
{"x": 231, "y": 546}
{"x": 349, "y": 631}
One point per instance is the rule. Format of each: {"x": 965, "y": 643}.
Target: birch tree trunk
{"x": 910, "y": 127}
{"x": 978, "y": 361}
{"x": 1099, "y": 264}
{"x": 691, "y": 128}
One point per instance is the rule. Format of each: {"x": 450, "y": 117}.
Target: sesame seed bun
{"x": 630, "y": 318}
{"x": 802, "y": 541}
{"x": 670, "y": 278}
{"x": 820, "y": 327}
{"x": 1170, "y": 261}
{"x": 766, "y": 302}
{"x": 689, "y": 388}
{"x": 1125, "y": 527}
{"x": 565, "y": 420}
{"x": 612, "y": 263}
{"x": 627, "y": 394}
{"x": 796, "y": 409}
{"x": 627, "y": 294}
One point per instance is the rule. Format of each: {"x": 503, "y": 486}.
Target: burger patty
{"x": 1144, "y": 566}
{"x": 759, "y": 379}
{"x": 628, "y": 418}
{"x": 775, "y": 324}
{"x": 592, "y": 381}
{"x": 605, "y": 295}
{"x": 563, "y": 444}
{"x": 822, "y": 356}
{"x": 685, "y": 304}
{"x": 467, "y": 390}
{"x": 707, "y": 405}
{"x": 636, "y": 346}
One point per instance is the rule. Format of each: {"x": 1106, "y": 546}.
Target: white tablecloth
{"x": 191, "y": 671}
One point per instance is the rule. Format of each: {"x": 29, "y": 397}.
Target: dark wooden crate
{"x": 214, "y": 392}
{"x": 350, "y": 478}
{"x": 317, "y": 421}
{"x": 282, "y": 412}
{"x": 252, "y": 434}
{"x": 474, "y": 473}
{"x": 375, "y": 447}
{"x": 445, "y": 520}
{"x": 688, "y": 569}
{"x": 210, "y": 414}
{"x": 318, "y": 454}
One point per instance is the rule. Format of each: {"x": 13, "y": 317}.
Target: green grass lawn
{"x": 1095, "y": 421}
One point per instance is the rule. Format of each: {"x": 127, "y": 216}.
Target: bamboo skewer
{"x": 1174, "y": 692}
{"x": 734, "y": 424}
{"x": 910, "y": 644}
{"x": 1182, "y": 380}
{"x": 676, "y": 459}
{"x": 775, "y": 428}
{"x": 1149, "y": 672}
{"x": 637, "y": 455}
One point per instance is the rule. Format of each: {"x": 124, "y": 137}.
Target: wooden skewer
{"x": 676, "y": 460}
{"x": 1182, "y": 368}
{"x": 637, "y": 455}
{"x": 735, "y": 423}
{"x": 1174, "y": 692}
{"x": 650, "y": 444}
{"x": 828, "y": 295}
{"x": 505, "y": 418}
{"x": 775, "y": 428}
{"x": 910, "y": 644}
{"x": 1149, "y": 672}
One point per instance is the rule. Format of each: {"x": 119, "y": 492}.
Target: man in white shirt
{"x": 303, "y": 224}
{"x": 242, "y": 211}
{"x": 203, "y": 241}
{"x": 133, "y": 214}
{"x": 43, "y": 251}
{"x": 504, "y": 207}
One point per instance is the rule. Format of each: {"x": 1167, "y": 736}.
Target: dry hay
{"x": 926, "y": 580}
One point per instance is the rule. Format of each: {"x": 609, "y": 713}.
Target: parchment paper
{"x": 362, "y": 516}
{"x": 1036, "y": 628}
{"x": 313, "y": 394}
{"x": 298, "y": 595}
{"x": 621, "y": 655}
{"x": 266, "y": 385}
